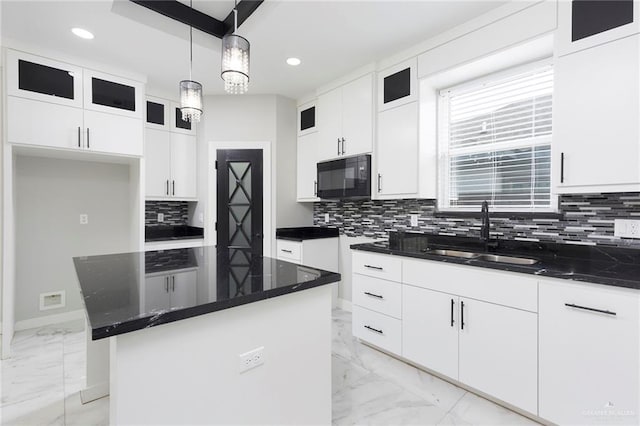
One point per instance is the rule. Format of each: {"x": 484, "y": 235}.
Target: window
{"x": 495, "y": 142}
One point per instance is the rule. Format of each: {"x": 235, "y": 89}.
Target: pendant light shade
{"x": 191, "y": 91}
{"x": 191, "y": 100}
{"x": 235, "y": 64}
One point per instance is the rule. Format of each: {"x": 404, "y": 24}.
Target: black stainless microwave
{"x": 345, "y": 178}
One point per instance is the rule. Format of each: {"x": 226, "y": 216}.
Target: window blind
{"x": 495, "y": 142}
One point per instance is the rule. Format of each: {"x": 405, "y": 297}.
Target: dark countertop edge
{"x": 98, "y": 333}
{"x": 531, "y": 270}
{"x": 300, "y": 239}
{"x": 186, "y": 237}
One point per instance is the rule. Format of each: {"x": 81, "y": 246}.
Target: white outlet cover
{"x": 84, "y": 219}
{"x": 251, "y": 359}
{"x": 326, "y": 217}
{"x": 160, "y": 217}
{"x": 414, "y": 219}
{"x": 626, "y": 228}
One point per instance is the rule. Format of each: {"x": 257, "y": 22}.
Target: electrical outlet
{"x": 84, "y": 219}
{"x": 414, "y": 219}
{"x": 160, "y": 217}
{"x": 251, "y": 359}
{"x": 326, "y": 218}
{"x": 626, "y": 228}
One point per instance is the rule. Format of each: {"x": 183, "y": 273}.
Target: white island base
{"x": 188, "y": 371}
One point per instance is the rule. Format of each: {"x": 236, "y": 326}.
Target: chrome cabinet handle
{"x": 373, "y": 329}
{"x": 338, "y": 146}
{"x": 379, "y": 268}
{"x": 167, "y": 186}
{"x": 88, "y": 144}
{"x": 79, "y": 131}
{"x": 379, "y": 182}
{"x": 373, "y": 295}
{"x": 586, "y": 308}
{"x": 173, "y": 192}
{"x": 343, "y": 150}
{"x": 562, "y": 167}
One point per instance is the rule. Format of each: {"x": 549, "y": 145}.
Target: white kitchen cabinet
{"x": 321, "y": 253}
{"x": 596, "y": 141}
{"x": 183, "y": 166}
{"x": 307, "y": 158}
{"x": 397, "y": 152}
{"x": 157, "y": 148}
{"x": 585, "y": 24}
{"x": 430, "y": 329}
{"x": 170, "y": 165}
{"x": 345, "y": 119}
{"x": 110, "y": 133}
{"x": 75, "y": 108}
{"x": 377, "y": 295}
{"x": 112, "y": 94}
{"x": 156, "y": 293}
{"x": 589, "y": 353}
{"x": 43, "y": 79}
{"x": 497, "y": 352}
{"x": 171, "y": 290}
{"x": 380, "y": 330}
{"x": 398, "y": 85}
{"x": 184, "y": 287}
{"x": 58, "y": 125}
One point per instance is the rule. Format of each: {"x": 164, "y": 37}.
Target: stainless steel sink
{"x": 485, "y": 256}
{"x": 507, "y": 259}
{"x": 455, "y": 253}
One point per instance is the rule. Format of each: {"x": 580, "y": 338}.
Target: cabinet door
{"x": 157, "y": 297}
{"x": 430, "y": 329}
{"x": 589, "y": 360}
{"x": 329, "y": 114}
{"x": 157, "y": 155}
{"x": 183, "y": 166}
{"x": 184, "y": 289}
{"x": 596, "y": 108}
{"x": 587, "y": 23}
{"x": 111, "y": 94}
{"x": 113, "y": 134}
{"x": 178, "y": 125}
{"x": 397, "y": 152}
{"x": 54, "y": 125}
{"x": 357, "y": 116}
{"x": 157, "y": 113}
{"x": 307, "y": 118}
{"x": 498, "y": 352}
{"x": 307, "y": 167}
{"x": 398, "y": 85}
{"x": 42, "y": 79}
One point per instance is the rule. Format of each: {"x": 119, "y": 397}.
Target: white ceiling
{"x": 331, "y": 38}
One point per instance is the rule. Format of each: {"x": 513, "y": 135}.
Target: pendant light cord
{"x": 235, "y": 17}
{"x": 190, "y": 45}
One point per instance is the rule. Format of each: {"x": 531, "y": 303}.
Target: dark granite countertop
{"x": 306, "y": 233}
{"x": 126, "y": 292}
{"x": 172, "y": 232}
{"x": 618, "y": 267}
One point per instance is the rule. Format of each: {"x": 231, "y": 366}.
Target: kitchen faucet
{"x": 486, "y": 225}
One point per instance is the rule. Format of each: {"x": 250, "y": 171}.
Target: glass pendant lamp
{"x": 235, "y": 60}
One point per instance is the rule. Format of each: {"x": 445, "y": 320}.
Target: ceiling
{"x": 331, "y": 38}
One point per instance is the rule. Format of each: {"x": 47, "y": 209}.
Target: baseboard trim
{"x": 94, "y": 392}
{"x": 49, "y": 320}
{"x": 344, "y": 304}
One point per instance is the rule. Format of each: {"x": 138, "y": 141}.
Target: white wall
{"x": 50, "y": 196}
{"x": 254, "y": 118}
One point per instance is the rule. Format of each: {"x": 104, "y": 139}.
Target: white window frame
{"x": 442, "y": 141}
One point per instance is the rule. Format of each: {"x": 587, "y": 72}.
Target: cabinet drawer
{"x": 377, "y": 265}
{"x": 378, "y": 295}
{"x": 377, "y": 329}
{"x": 503, "y": 288}
{"x": 289, "y": 250}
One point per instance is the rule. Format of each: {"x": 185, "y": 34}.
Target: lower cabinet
{"x": 171, "y": 290}
{"x": 489, "y": 347}
{"x": 378, "y": 329}
{"x": 589, "y": 354}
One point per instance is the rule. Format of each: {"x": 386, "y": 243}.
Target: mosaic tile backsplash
{"x": 586, "y": 219}
{"x": 175, "y": 213}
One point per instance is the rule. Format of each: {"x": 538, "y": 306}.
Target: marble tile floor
{"x": 41, "y": 384}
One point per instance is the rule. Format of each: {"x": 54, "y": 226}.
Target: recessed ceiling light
{"x": 82, "y": 33}
{"x": 293, "y": 62}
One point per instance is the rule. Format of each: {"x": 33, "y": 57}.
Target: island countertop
{"x": 126, "y": 292}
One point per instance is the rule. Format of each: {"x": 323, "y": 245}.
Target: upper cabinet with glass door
{"x": 398, "y": 85}
{"x": 43, "y": 79}
{"x": 158, "y": 112}
{"x": 587, "y": 23}
{"x": 178, "y": 125}
{"x": 111, "y": 94}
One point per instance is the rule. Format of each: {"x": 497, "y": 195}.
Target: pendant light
{"x": 191, "y": 91}
{"x": 235, "y": 60}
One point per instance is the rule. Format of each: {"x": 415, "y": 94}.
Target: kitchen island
{"x": 215, "y": 336}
